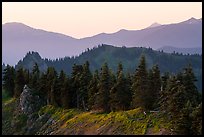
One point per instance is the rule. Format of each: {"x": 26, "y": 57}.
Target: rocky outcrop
{"x": 29, "y": 103}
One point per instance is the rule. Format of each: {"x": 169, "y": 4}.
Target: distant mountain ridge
{"x": 170, "y": 49}
{"x": 18, "y": 39}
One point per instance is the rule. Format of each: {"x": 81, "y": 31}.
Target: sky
{"x": 84, "y": 19}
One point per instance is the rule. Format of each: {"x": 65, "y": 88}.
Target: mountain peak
{"x": 15, "y": 25}
{"x": 192, "y": 21}
{"x": 30, "y": 59}
{"x": 155, "y": 24}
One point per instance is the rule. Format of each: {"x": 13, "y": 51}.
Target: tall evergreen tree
{"x": 75, "y": 84}
{"x": 54, "y": 93}
{"x": 8, "y": 80}
{"x": 196, "y": 116}
{"x": 140, "y": 85}
{"x": 43, "y": 87}
{"x": 154, "y": 85}
{"x": 51, "y": 83}
{"x": 34, "y": 78}
{"x": 120, "y": 94}
{"x": 184, "y": 121}
{"x": 177, "y": 103}
{"x": 92, "y": 90}
{"x": 65, "y": 94}
{"x": 164, "y": 79}
{"x": 189, "y": 80}
{"x": 60, "y": 87}
{"x": 19, "y": 82}
{"x": 84, "y": 80}
{"x": 102, "y": 97}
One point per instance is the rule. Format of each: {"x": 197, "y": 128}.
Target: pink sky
{"x": 82, "y": 19}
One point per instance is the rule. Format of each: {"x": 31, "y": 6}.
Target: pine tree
{"x": 60, "y": 88}
{"x": 120, "y": 68}
{"x": 54, "y": 93}
{"x": 75, "y": 84}
{"x": 171, "y": 91}
{"x": 140, "y": 85}
{"x": 178, "y": 105}
{"x": 151, "y": 90}
{"x": 51, "y": 83}
{"x": 8, "y": 80}
{"x": 196, "y": 116}
{"x": 34, "y": 79}
{"x": 19, "y": 82}
{"x": 164, "y": 79}
{"x": 154, "y": 85}
{"x": 84, "y": 80}
{"x": 129, "y": 81}
{"x": 65, "y": 94}
{"x": 119, "y": 93}
{"x": 102, "y": 97}
{"x": 184, "y": 121}
{"x": 43, "y": 87}
{"x": 189, "y": 80}
{"x": 62, "y": 92}
{"x": 163, "y": 94}
{"x": 92, "y": 90}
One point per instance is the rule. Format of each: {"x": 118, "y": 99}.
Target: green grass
{"x": 75, "y": 121}
{"x": 122, "y": 122}
{"x": 8, "y": 107}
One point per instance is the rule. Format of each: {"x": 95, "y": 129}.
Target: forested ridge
{"x": 175, "y": 95}
{"x": 129, "y": 57}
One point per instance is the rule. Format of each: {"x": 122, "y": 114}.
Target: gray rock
{"x": 29, "y": 103}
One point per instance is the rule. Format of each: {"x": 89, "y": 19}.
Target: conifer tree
{"x": 164, "y": 79}
{"x": 102, "y": 97}
{"x": 19, "y": 82}
{"x": 54, "y": 93}
{"x": 140, "y": 85}
{"x": 92, "y": 90}
{"x": 151, "y": 90}
{"x": 63, "y": 89}
{"x": 189, "y": 80}
{"x": 51, "y": 83}
{"x": 60, "y": 87}
{"x": 178, "y": 105}
{"x": 65, "y": 94}
{"x": 75, "y": 84}
{"x": 34, "y": 82}
{"x": 43, "y": 87}
{"x": 8, "y": 80}
{"x": 184, "y": 121}
{"x": 129, "y": 81}
{"x": 84, "y": 80}
{"x": 154, "y": 85}
{"x": 196, "y": 116}
{"x": 119, "y": 93}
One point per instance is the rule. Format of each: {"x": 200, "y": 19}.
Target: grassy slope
{"x": 13, "y": 121}
{"x": 73, "y": 121}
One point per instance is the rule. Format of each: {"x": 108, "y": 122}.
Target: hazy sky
{"x": 82, "y": 19}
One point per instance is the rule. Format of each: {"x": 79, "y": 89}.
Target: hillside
{"x": 186, "y": 34}
{"x": 57, "y": 121}
{"x": 129, "y": 57}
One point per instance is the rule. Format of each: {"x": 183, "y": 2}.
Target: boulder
{"x": 29, "y": 103}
